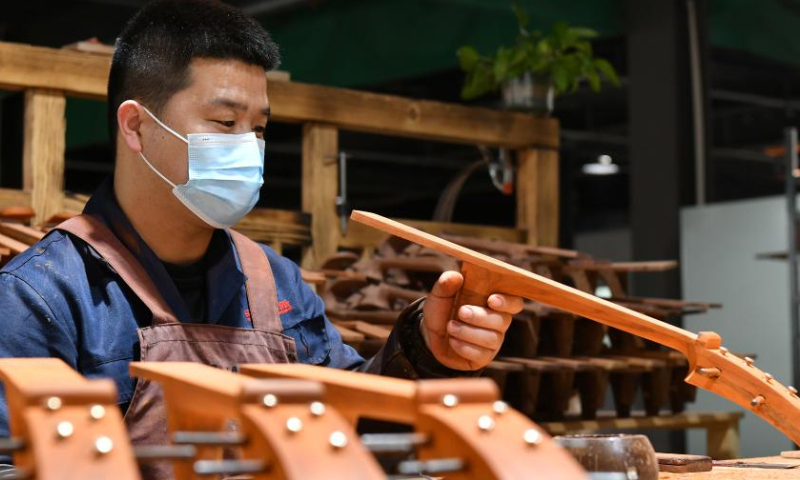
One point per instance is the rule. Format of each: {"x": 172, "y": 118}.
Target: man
{"x": 151, "y": 271}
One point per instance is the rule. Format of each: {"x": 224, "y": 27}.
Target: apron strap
{"x": 262, "y": 296}
{"x": 97, "y": 235}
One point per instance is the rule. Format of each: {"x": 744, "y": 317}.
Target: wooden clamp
{"x": 711, "y": 366}
{"x": 283, "y": 424}
{"x": 460, "y": 420}
{"x": 65, "y": 426}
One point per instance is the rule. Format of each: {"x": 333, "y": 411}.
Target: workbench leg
{"x": 319, "y": 190}
{"x": 538, "y": 195}
{"x": 723, "y": 440}
{"x": 43, "y": 151}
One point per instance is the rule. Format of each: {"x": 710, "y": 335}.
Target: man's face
{"x": 224, "y": 96}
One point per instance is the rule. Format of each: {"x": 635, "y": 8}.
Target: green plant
{"x": 563, "y": 56}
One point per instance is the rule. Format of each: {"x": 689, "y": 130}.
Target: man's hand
{"x": 472, "y": 340}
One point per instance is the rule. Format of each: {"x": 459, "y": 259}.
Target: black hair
{"x": 157, "y": 45}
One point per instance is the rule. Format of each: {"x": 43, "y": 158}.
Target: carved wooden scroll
{"x": 64, "y": 426}
{"x": 285, "y": 431}
{"x": 464, "y": 432}
{"x": 712, "y": 366}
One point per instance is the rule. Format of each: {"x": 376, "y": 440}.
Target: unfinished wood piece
{"x": 15, "y": 247}
{"x": 710, "y": 367}
{"x": 459, "y": 417}
{"x": 15, "y": 213}
{"x": 276, "y": 417}
{"x": 676, "y": 463}
{"x": 43, "y": 151}
{"x": 21, "y": 233}
{"x": 70, "y": 427}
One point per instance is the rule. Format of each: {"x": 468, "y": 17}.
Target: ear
{"x": 129, "y": 120}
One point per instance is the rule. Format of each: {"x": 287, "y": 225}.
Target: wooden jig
{"x": 463, "y": 431}
{"x": 64, "y": 426}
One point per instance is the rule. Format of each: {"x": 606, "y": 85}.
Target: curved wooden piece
{"x": 711, "y": 367}
{"x": 459, "y": 417}
{"x": 200, "y": 397}
{"x": 62, "y": 419}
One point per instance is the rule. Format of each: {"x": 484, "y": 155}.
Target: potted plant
{"x": 537, "y": 67}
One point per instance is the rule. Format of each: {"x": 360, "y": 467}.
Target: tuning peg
{"x": 757, "y": 401}
{"x": 710, "y": 372}
{"x": 749, "y": 361}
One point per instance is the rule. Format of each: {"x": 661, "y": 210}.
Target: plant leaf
{"x": 608, "y": 70}
{"x": 468, "y": 58}
{"x": 522, "y": 16}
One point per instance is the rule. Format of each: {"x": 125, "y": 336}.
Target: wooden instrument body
{"x": 711, "y": 367}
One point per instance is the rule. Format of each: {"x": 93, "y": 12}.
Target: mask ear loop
{"x": 146, "y": 161}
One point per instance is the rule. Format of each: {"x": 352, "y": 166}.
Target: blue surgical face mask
{"x": 225, "y": 175}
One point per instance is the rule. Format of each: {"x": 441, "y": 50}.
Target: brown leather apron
{"x": 167, "y": 339}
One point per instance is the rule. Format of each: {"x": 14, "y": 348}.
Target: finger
{"x": 505, "y": 303}
{"x": 484, "y": 318}
{"x": 477, "y": 356}
{"x": 439, "y": 303}
{"x": 481, "y": 337}
{"x": 448, "y": 285}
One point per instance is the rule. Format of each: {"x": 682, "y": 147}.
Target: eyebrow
{"x": 226, "y": 102}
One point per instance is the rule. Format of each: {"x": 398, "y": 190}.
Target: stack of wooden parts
{"x": 16, "y": 234}
{"x": 553, "y": 364}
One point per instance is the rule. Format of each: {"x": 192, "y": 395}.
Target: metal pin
{"x": 450, "y": 400}
{"x": 768, "y": 377}
{"x": 723, "y": 350}
{"x": 338, "y": 439}
{"x": 103, "y": 445}
{"x": 294, "y": 424}
{"x": 485, "y": 423}
{"x": 13, "y": 444}
{"x": 710, "y": 372}
{"x": 749, "y": 361}
{"x": 149, "y": 453}
{"x": 97, "y": 412}
{"x": 500, "y": 407}
{"x": 317, "y": 409}
{"x": 532, "y": 436}
{"x": 270, "y": 400}
{"x": 208, "y": 438}
{"x": 229, "y": 467}
{"x": 792, "y": 390}
{"x": 65, "y": 429}
{"x": 431, "y": 467}
{"x": 53, "y": 403}
{"x": 393, "y": 442}
{"x": 757, "y": 401}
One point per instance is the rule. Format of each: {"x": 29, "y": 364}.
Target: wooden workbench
{"x": 726, "y": 473}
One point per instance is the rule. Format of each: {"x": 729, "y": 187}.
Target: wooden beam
{"x": 538, "y": 195}
{"x": 397, "y": 116}
{"x": 43, "y": 151}
{"x": 85, "y": 74}
{"x": 78, "y": 74}
{"x": 320, "y": 186}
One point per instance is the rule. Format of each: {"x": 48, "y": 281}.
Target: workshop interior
{"x": 229, "y": 231}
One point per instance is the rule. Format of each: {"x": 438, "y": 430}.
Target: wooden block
{"x": 676, "y": 463}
